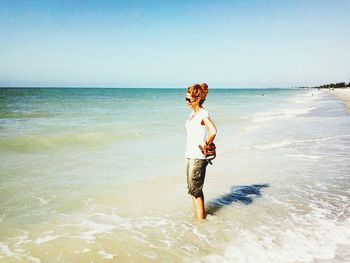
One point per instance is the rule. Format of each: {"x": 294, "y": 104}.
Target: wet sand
{"x": 344, "y": 95}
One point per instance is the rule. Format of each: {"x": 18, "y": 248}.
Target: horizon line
{"x": 109, "y": 87}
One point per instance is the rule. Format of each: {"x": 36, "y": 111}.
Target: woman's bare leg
{"x": 199, "y": 207}
{"x": 194, "y": 206}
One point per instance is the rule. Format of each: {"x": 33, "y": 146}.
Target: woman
{"x": 200, "y": 131}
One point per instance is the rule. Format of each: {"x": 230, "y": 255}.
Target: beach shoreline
{"x": 344, "y": 95}
{"x": 94, "y": 196}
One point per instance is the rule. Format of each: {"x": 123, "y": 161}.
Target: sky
{"x": 174, "y": 43}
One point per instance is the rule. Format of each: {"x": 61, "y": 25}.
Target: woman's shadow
{"x": 241, "y": 193}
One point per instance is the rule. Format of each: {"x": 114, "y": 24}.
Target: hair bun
{"x": 205, "y": 90}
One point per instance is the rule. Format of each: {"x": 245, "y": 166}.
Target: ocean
{"x": 98, "y": 175}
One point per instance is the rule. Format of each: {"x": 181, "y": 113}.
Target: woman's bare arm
{"x": 211, "y": 128}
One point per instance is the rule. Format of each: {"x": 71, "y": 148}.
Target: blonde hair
{"x": 198, "y": 91}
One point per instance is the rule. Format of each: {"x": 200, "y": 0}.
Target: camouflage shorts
{"x": 195, "y": 170}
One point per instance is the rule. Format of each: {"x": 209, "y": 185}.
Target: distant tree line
{"x": 330, "y": 86}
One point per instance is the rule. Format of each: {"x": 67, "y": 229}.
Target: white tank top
{"x": 196, "y": 134}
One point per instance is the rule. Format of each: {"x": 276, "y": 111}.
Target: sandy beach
{"x": 344, "y": 95}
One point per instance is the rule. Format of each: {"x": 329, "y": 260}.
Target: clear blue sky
{"x": 174, "y": 43}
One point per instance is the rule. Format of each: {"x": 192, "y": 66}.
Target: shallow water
{"x": 99, "y": 174}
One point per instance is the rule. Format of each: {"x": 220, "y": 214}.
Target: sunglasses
{"x": 190, "y": 100}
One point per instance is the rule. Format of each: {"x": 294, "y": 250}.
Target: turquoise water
{"x": 103, "y": 171}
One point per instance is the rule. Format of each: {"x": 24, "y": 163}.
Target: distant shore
{"x": 344, "y": 95}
